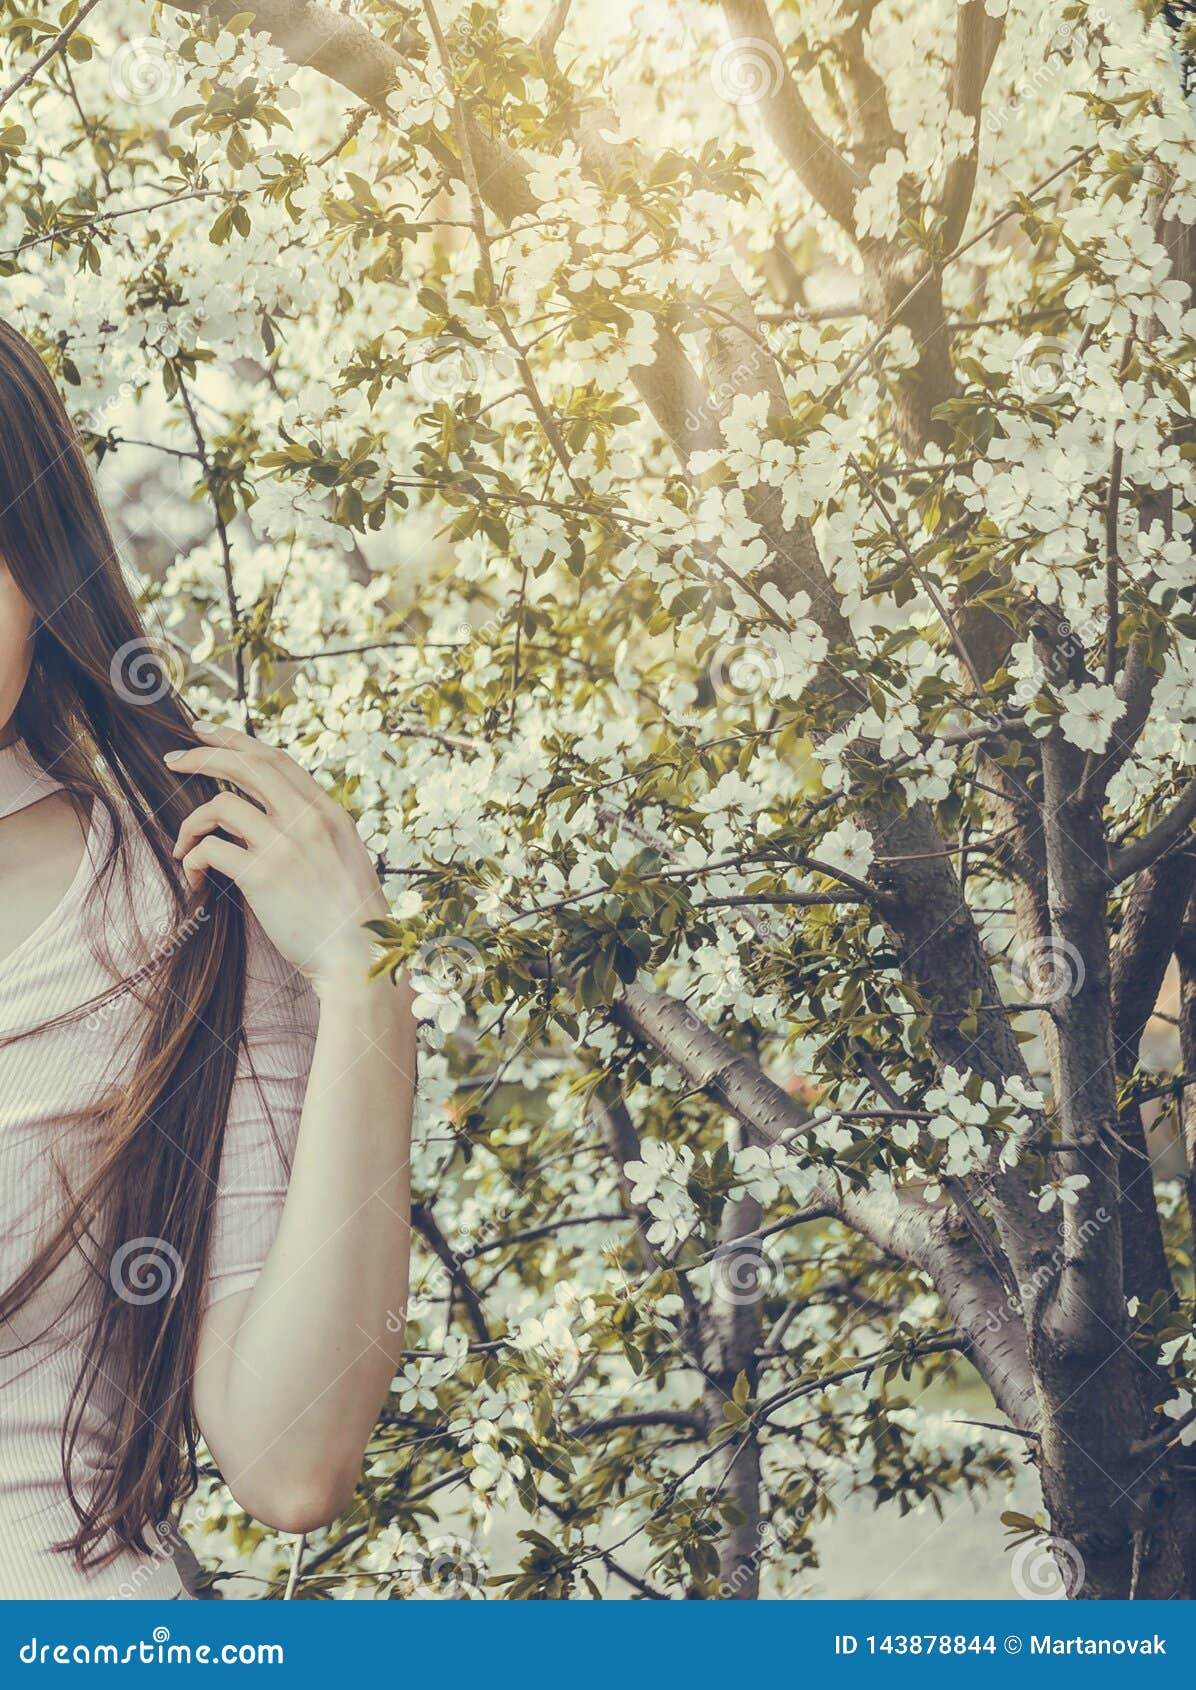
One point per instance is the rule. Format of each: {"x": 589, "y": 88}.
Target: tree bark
{"x": 1116, "y": 1508}
{"x": 733, "y": 1319}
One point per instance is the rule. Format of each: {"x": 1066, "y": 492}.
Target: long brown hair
{"x": 97, "y": 712}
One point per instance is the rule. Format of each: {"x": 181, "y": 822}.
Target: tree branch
{"x": 1156, "y": 841}
{"x": 422, "y": 1221}
{"x": 811, "y": 155}
{"x": 896, "y": 1221}
{"x": 1151, "y": 918}
{"x": 348, "y": 52}
{"x": 977, "y": 37}
{"x": 56, "y": 45}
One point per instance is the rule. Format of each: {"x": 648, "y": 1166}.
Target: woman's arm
{"x": 291, "y": 1375}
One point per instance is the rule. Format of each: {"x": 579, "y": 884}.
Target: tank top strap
{"x": 22, "y": 782}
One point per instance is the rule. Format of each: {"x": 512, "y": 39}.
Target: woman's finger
{"x": 228, "y": 810}
{"x": 232, "y": 739}
{"x": 213, "y": 852}
{"x": 253, "y": 774}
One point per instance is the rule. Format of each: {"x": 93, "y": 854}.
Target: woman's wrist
{"x": 345, "y": 981}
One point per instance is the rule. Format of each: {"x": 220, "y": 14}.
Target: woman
{"x": 205, "y": 1105}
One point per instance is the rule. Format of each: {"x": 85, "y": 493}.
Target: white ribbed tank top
{"x": 48, "y": 1076}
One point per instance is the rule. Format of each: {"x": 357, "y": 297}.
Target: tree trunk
{"x": 738, "y": 1286}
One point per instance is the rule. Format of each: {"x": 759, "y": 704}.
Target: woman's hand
{"x": 294, "y": 853}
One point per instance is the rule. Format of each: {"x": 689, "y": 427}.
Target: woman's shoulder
{"x": 44, "y": 836}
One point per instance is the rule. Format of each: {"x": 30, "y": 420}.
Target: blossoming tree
{"x": 710, "y": 486}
